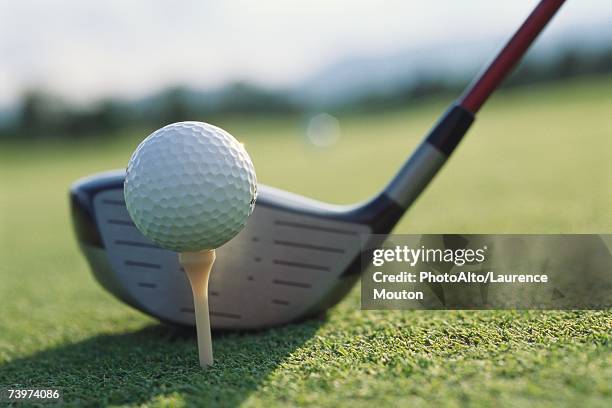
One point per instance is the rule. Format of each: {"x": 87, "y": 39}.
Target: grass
{"x": 535, "y": 161}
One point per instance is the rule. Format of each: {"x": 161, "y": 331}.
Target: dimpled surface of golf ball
{"x": 190, "y": 186}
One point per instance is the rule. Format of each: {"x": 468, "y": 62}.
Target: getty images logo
{"x": 412, "y": 256}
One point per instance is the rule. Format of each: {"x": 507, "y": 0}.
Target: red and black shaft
{"x": 449, "y": 131}
{"x": 443, "y": 138}
{"x": 480, "y": 90}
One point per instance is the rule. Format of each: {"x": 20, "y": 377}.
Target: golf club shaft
{"x": 479, "y": 91}
{"x": 442, "y": 140}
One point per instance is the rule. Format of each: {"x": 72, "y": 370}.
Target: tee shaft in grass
{"x": 197, "y": 266}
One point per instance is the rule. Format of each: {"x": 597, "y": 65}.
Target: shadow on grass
{"x": 158, "y": 361}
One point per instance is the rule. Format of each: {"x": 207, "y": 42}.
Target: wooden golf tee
{"x": 197, "y": 265}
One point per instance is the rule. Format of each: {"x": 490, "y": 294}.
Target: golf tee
{"x": 197, "y": 266}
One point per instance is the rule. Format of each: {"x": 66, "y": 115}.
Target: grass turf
{"x": 535, "y": 161}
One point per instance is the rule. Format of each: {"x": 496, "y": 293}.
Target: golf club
{"x": 296, "y": 257}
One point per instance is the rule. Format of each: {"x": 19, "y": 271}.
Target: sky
{"x": 85, "y": 50}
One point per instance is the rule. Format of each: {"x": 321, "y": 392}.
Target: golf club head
{"x": 295, "y": 258}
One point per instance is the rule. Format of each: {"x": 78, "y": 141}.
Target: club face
{"x": 295, "y": 258}
{"x": 290, "y": 262}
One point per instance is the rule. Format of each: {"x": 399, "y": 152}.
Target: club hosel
{"x": 430, "y": 156}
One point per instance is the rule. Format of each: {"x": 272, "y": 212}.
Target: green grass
{"x": 537, "y": 160}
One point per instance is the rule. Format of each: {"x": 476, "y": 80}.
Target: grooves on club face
{"x": 295, "y": 258}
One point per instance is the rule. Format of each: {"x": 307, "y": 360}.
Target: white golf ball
{"x": 190, "y": 186}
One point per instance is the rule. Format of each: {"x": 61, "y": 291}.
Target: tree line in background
{"x": 41, "y": 115}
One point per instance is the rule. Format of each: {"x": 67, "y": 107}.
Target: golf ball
{"x": 190, "y": 186}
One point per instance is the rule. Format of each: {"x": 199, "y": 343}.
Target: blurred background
{"x": 73, "y": 70}
{"x": 329, "y": 97}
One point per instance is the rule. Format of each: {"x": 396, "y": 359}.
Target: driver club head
{"x": 295, "y": 258}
